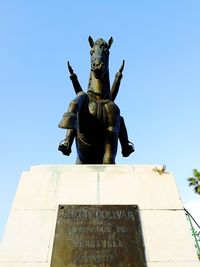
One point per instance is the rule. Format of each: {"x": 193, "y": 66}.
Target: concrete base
{"x": 29, "y": 234}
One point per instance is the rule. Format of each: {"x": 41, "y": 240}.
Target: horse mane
{"x": 101, "y": 42}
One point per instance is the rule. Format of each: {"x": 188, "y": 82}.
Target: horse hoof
{"x": 65, "y": 149}
{"x": 126, "y": 151}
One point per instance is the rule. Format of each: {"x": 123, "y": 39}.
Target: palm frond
{"x": 196, "y": 174}
{"x": 192, "y": 181}
{"x": 197, "y": 189}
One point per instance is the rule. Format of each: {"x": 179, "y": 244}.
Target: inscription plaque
{"x": 98, "y": 236}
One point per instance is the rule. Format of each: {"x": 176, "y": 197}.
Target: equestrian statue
{"x": 93, "y": 119}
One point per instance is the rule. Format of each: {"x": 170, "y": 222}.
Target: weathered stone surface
{"x": 98, "y": 235}
{"x": 30, "y": 230}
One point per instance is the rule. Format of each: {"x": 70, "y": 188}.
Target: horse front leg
{"x": 110, "y": 145}
{"x": 112, "y": 123}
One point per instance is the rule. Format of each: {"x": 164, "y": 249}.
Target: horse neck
{"x": 100, "y": 87}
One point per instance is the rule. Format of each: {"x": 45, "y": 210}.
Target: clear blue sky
{"x": 160, "y": 91}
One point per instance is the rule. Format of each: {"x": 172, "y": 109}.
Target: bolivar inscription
{"x": 98, "y": 236}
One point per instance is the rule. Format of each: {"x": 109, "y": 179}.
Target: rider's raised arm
{"x": 116, "y": 83}
{"x": 74, "y": 79}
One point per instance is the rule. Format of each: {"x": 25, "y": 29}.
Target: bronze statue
{"x": 93, "y": 118}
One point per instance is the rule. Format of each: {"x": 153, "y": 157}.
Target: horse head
{"x": 99, "y": 56}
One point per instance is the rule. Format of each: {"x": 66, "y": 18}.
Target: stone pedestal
{"x": 29, "y": 234}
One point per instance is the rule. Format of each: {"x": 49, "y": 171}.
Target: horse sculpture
{"x": 93, "y": 118}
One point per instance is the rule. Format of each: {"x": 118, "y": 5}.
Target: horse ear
{"x": 91, "y": 42}
{"x": 110, "y": 42}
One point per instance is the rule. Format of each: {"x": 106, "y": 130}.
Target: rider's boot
{"x": 66, "y": 144}
{"x": 127, "y": 146}
{"x": 127, "y": 149}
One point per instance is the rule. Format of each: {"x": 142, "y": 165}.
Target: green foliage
{"x": 194, "y": 181}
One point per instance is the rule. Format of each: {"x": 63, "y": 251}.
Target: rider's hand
{"x": 122, "y": 66}
{"x": 70, "y": 68}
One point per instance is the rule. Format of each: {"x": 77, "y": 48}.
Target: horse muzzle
{"x": 98, "y": 70}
